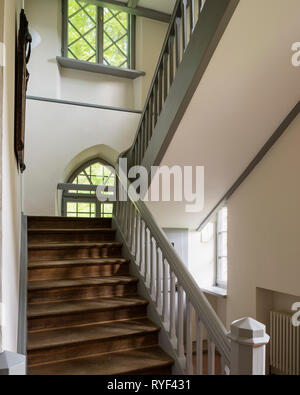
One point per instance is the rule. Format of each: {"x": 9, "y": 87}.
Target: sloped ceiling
{"x": 250, "y": 86}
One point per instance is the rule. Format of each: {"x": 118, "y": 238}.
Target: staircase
{"x": 84, "y": 313}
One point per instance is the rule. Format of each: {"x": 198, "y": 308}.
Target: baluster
{"x": 158, "y": 280}
{"x": 211, "y": 356}
{"x": 165, "y": 66}
{"x": 125, "y": 221}
{"x": 160, "y": 90}
{"x": 172, "y": 306}
{"x": 150, "y": 119}
{"x": 184, "y": 24}
{"x": 177, "y": 40}
{"x": 199, "y": 345}
{"x": 189, "y": 339}
{"x": 134, "y": 155}
{"x": 147, "y": 250}
{"x": 171, "y": 58}
{"x": 165, "y": 291}
{"x": 153, "y": 267}
{"x": 146, "y": 123}
{"x": 143, "y": 266}
{"x": 133, "y": 214}
{"x": 180, "y": 345}
{"x": 141, "y": 143}
{"x": 128, "y": 208}
{"x": 155, "y": 103}
{"x": 141, "y": 245}
{"x": 137, "y": 238}
{"x": 137, "y": 150}
{"x": 224, "y": 368}
{"x": 192, "y": 16}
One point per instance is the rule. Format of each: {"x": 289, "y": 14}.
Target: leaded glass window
{"x": 83, "y": 203}
{"x": 96, "y": 34}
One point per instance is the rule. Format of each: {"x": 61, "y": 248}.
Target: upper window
{"x": 97, "y": 34}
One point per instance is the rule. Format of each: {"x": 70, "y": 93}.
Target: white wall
{"x": 56, "y": 134}
{"x": 49, "y": 80}
{"x": 11, "y": 195}
{"x": 263, "y": 229}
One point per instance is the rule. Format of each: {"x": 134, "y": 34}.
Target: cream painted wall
{"x": 49, "y": 80}
{"x": 55, "y": 135}
{"x": 149, "y": 39}
{"x": 263, "y": 229}
{"x": 11, "y": 196}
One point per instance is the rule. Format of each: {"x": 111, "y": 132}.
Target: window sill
{"x": 69, "y": 63}
{"x": 216, "y": 291}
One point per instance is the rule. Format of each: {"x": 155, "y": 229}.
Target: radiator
{"x": 284, "y": 344}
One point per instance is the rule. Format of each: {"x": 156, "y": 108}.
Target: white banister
{"x": 153, "y": 267}
{"x": 165, "y": 292}
{"x": 189, "y": 339}
{"x": 199, "y": 346}
{"x": 180, "y": 323}
{"x": 158, "y": 281}
{"x": 211, "y": 356}
{"x": 178, "y": 299}
{"x": 248, "y": 347}
{"x": 172, "y": 305}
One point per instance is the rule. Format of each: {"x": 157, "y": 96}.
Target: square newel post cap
{"x": 12, "y": 364}
{"x": 248, "y": 331}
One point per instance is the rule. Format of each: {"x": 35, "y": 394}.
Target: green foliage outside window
{"x": 90, "y": 207}
{"x": 98, "y": 34}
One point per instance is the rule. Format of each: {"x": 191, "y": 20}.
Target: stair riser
{"x": 87, "y": 317}
{"x": 70, "y": 237}
{"x": 76, "y": 252}
{"x": 78, "y": 293}
{"x": 83, "y": 271}
{"x": 91, "y": 348}
{"x": 66, "y": 223}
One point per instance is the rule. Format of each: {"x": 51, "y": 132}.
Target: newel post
{"x": 248, "y": 347}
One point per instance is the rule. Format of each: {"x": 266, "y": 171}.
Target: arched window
{"x": 83, "y": 202}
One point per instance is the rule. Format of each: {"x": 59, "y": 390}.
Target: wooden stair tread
{"x": 83, "y": 282}
{"x": 67, "y": 219}
{"x": 126, "y": 362}
{"x": 78, "y": 306}
{"x": 72, "y": 245}
{"x": 79, "y": 334}
{"x": 77, "y": 262}
{"x": 64, "y": 230}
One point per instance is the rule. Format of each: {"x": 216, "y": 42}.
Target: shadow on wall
{"x": 101, "y": 151}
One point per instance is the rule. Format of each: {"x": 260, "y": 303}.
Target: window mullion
{"x": 132, "y": 43}
{"x": 100, "y": 35}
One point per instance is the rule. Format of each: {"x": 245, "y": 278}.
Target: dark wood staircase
{"x": 84, "y": 314}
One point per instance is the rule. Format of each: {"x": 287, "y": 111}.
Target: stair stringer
{"x": 164, "y": 340}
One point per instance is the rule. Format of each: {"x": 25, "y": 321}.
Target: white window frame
{"x": 220, "y": 232}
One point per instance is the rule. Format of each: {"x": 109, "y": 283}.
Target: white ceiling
{"x": 250, "y": 86}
